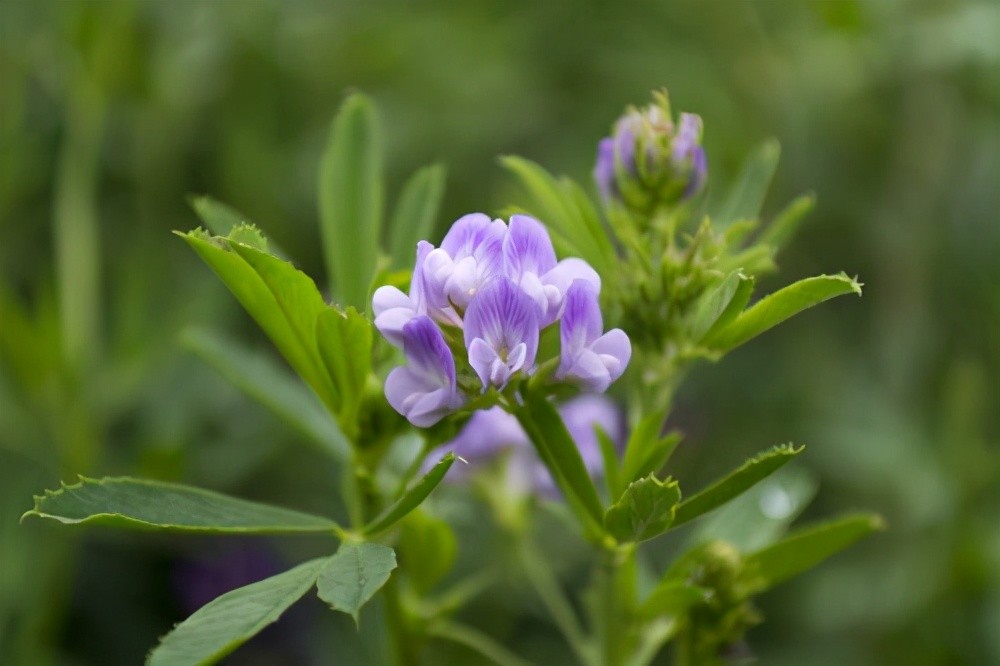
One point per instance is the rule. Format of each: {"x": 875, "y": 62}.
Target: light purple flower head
{"x": 530, "y": 261}
{"x": 394, "y": 309}
{"x": 648, "y": 158}
{"x": 470, "y": 257}
{"x": 589, "y": 358}
{"x": 501, "y": 332}
{"x": 424, "y": 390}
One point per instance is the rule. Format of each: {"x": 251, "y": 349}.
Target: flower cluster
{"x": 649, "y": 160}
{"x": 487, "y": 293}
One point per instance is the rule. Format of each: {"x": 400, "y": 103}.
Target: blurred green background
{"x": 112, "y": 113}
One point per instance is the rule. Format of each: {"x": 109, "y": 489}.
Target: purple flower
{"x": 587, "y": 357}
{"x": 394, "y": 309}
{"x": 470, "y": 256}
{"x": 501, "y": 332}
{"x": 530, "y": 261}
{"x": 424, "y": 390}
{"x": 686, "y": 149}
{"x": 649, "y": 160}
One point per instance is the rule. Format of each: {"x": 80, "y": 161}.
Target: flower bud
{"x": 649, "y": 161}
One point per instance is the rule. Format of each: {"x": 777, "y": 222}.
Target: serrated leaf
{"x": 808, "y": 547}
{"x": 429, "y": 545}
{"x": 412, "y": 498}
{"x": 156, "y": 505}
{"x": 228, "y": 621}
{"x": 645, "y": 509}
{"x": 354, "y": 574}
{"x": 779, "y": 306}
{"x": 350, "y": 200}
{"x": 218, "y": 218}
{"x": 344, "y": 340}
{"x": 556, "y": 448}
{"x": 416, "y": 213}
{"x": 261, "y": 378}
{"x": 786, "y": 223}
{"x": 285, "y": 304}
{"x": 746, "y": 476}
{"x": 746, "y": 197}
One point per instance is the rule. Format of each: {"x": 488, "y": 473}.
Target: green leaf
{"x": 350, "y": 200}
{"x": 261, "y": 378}
{"x": 555, "y": 446}
{"x": 411, "y": 499}
{"x": 786, "y": 223}
{"x": 609, "y": 456}
{"x": 155, "y": 505}
{"x": 354, "y": 574}
{"x": 281, "y": 299}
{"x": 714, "y": 303}
{"x": 227, "y": 622}
{"x": 779, "y": 306}
{"x": 738, "y": 301}
{"x": 416, "y": 213}
{"x": 672, "y": 597}
{"x": 746, "y": 197}
{"x": 746, "y": 476}
{"x": 647, "y": 451}
{"x": 645, "y": 509}
{"x": 345, "y": 345}
{"x": 808, "y": 547}
{"x": 429, "y": 545}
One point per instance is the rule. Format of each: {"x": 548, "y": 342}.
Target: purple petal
{"x": 581, "y": 320}
{"x": 424, "y": 391}
{"x": 527, "y": 247}
{"x": 417, "y": 285}
{"x": 470, "y": 233}
{"x": 686, "y": 140}
{"x": 427, "y": 352}
{"x": 615, "y": 351}
{"x": 587, "y": 369}
{"x": 502, "y": 316}
{"x": 558, "y": 281}
{"x": 604, "y": 168}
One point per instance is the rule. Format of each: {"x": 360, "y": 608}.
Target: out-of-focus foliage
{"x": 114, "y": 112}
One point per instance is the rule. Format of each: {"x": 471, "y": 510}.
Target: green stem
{"x": 616, "y": 581}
